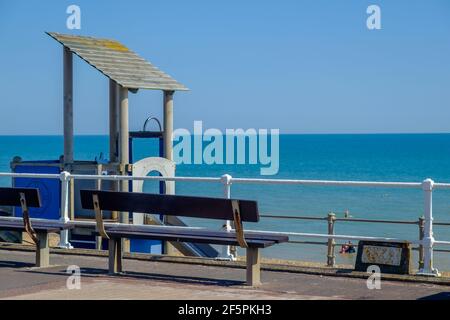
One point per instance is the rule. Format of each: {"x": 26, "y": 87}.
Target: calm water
{"x": 382, "y": 157}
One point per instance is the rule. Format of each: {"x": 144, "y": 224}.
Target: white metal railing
{"x": 226, "y": 180}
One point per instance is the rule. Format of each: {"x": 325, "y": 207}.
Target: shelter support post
{"x": 123, "y": 143}
{"x": 114, "y": 132}
{"x": 168, "y": 124}
{"x": 68, "y": 105}
{"x": 168, "y": 147}
{"x": 113, "y": 121}
{"x": 124, "y": 153}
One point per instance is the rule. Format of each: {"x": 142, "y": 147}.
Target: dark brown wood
{"x": 175, "y": 205}
{"x": 11, "y": 197}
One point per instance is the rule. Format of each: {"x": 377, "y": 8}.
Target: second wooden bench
{"x": 238, "y": 211}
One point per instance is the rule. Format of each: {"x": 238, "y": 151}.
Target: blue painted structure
{"x": 143, "y": 245}
{"x": 49, "y": 189}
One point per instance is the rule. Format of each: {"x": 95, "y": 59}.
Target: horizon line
{"x": 318, "y": 133}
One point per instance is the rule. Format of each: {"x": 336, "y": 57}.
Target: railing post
{"x": 428, "y": 239}
{"x": 331, "y": 258}
{"x": 421, "y": 236}
{"x": 226, "y": 181}
{"x": 64, "y": 235}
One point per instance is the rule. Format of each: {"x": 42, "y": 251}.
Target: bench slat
{"x": 192, "y": 232}
{"x": 175, "y": 205}
{"x": 188, "y": 238}
{"x": 11, "y": 197}
{"x": 49, "y": 226}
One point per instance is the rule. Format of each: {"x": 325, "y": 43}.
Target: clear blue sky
{"x": 300, "y": 66}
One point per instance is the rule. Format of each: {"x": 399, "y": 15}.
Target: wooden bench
{"x": 38, "y": 230}
{"x": 198, "y": 207}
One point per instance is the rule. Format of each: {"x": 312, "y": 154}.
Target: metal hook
{"x": 149, "y": 119}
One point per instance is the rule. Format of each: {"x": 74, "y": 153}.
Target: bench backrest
{"x": 11, "y": 197}
{"x": 172, "y": 205}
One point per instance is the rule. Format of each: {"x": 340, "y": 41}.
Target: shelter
{"x": 126, "y": 72}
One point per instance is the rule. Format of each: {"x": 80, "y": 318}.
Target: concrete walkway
{"x": 165, "y": 280}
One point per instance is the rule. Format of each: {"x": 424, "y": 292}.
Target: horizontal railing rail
{"x": 426, "y": 240}
{"x": 332, "y": 219}
{"x": 337, "y": 219}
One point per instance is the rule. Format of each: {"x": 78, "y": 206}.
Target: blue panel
{"x": 50, "y": 191}
{"x": 142, "y": 245}
{"x": 145, "y": 246}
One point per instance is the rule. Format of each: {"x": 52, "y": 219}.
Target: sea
{"x": 367, "y": 157}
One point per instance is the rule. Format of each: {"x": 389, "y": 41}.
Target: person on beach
{"x": 347, "y": 248}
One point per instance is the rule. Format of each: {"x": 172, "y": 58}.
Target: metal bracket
{"x": 100, "y": 227}
{"x": 238, "y": 224}
{"x": 26, "y": 219}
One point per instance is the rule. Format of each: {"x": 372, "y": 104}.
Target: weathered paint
{"x": 382, "y": 255}
{"x": 118, "y": 63}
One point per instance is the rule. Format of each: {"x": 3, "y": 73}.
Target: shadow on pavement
{"x": 437, "y": 296}
{"x": 102, "y": 273}
{"x": 14, "y": 264}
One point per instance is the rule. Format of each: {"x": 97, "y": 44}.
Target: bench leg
{"x": 42, "y": 251}
{"x": 98, "y": 242}
{"x": 115, "y": 255}
{"x": 253, "y": 267}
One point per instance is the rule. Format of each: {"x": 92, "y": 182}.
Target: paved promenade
{"x": 166, "y": 280}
